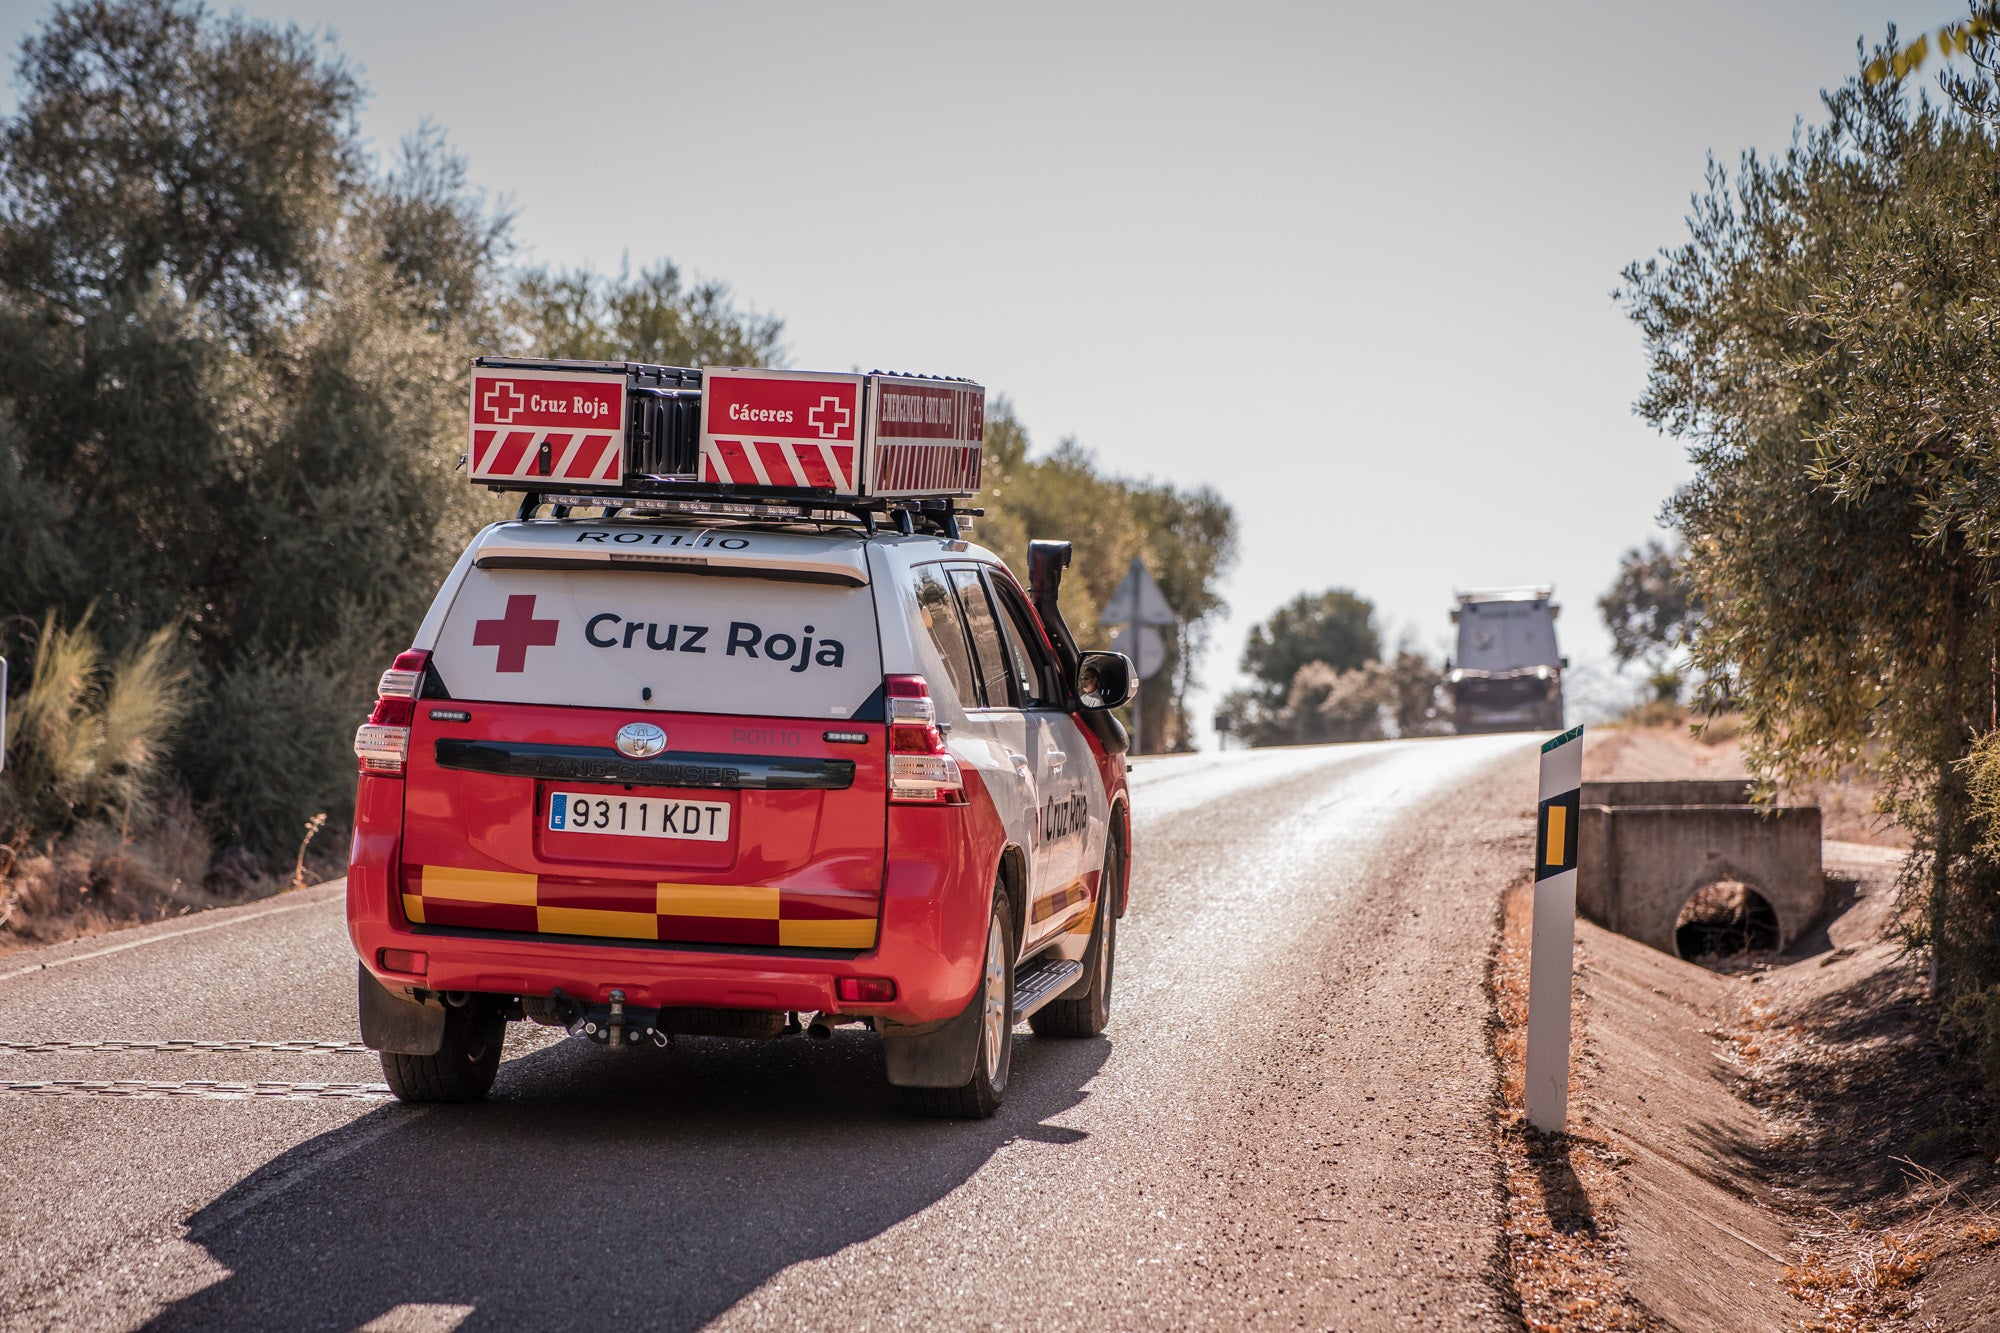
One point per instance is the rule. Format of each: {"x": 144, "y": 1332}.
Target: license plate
{"x": 638, "y": 817}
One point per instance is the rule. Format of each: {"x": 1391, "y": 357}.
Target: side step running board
{"x": 1041, "y": 980}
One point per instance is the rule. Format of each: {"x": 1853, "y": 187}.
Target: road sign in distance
{"x": 1138, "y": 601}
{"x": 1149, "y": 654}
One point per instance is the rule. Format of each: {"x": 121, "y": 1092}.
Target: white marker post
{"x": 1552, "y": 951}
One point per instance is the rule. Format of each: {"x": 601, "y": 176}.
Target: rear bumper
{"x": 650, "y": 978}
{"x": 930, "y": 942}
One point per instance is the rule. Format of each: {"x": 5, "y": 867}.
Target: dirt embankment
{"x": 1776, "y": 1141}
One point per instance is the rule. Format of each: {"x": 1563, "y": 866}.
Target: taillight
{"x": 405, "y": 677}
{"x": 921, "y": 772}
{"x": 382, "y": 743}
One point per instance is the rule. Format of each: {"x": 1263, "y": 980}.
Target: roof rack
{"x": 939, "y": 516}
{"x": 725, "y": 439}
{"x": 1524, "y": 593}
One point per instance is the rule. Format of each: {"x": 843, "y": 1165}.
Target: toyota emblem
{"x": 641, "y": 740}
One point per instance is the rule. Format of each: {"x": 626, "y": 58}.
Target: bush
{"x": 1400, "y": 697}
{"x": 277, "y": 738}
{"x": 104, "y": 875}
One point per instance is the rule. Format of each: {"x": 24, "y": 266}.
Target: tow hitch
{"x": 614, "y": 1024}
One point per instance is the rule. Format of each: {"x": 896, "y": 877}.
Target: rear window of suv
{"x": 703, "y": 643}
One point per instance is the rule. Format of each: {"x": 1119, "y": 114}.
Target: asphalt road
{"x": 1289, "y": 1122}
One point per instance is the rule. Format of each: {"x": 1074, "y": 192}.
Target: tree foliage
{"x": 233, "y": 350}
{"x": 651, "y": 316}
{"x": 1335, "y": 628}
{"x": 157, "y": 144}
{"x": 1824, "y": 342}
{"x": 228, "y": 352}
{"x": 1186, "y": 539}
{"x": 1972, "y": 36}
{"x": 1319, "y": 674}
{"x": 1652, "y": 611}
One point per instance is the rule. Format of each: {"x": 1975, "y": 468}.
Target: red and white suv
{"x": 640, "y": 775}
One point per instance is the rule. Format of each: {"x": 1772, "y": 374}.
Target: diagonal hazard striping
{"x": 202, "y": 1088}
{"x": 55, "y": 1045}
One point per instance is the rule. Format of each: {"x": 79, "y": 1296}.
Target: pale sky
{"x": 1350, "y": 265}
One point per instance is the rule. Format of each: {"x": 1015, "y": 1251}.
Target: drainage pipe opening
{"x": 1725, "y": 920}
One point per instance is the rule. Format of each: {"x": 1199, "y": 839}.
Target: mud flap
{"x": 936, "y": 1056}
{"x": 389, "y": 1022}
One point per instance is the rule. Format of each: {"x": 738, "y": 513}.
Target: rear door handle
{"x": 1057, "y": 758}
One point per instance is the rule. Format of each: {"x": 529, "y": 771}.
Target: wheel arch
{"x": 1121, "y": 838}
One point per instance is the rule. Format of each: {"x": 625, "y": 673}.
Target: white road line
{"x": 200, "y": 1089}
{"x": 155, "y": 939}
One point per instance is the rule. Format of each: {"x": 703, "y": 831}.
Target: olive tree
{"x": 1823, "y": 342}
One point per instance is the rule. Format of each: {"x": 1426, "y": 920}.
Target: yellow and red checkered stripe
{"x": 619, "y": 909}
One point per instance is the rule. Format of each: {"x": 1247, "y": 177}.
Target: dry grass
{"x": 1562, "y": 1233}
{"x": 103, "y": 877}
{"x": 1860, "y": 1279}
{"x": 1854, "y": 1275}
{"x": 87, "y": 739}
{"x": 1855, "y": 1091}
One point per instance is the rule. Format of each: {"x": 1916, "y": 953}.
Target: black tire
{"x": 980, "y": 1096}
{"x": 465, "y": 1063}
{"x": 1085, "y": 1014}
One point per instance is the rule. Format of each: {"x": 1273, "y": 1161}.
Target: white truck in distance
{"x": 1507, "y": 675}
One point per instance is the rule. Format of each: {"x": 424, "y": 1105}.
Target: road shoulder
{"x": 24, "y": 962}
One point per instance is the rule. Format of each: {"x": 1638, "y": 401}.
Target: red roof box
{"x": 565, "y": 427}
{"x": 596, "y": 426}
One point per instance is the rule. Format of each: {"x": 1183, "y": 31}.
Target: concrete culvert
{"x": 1723, "y": 919}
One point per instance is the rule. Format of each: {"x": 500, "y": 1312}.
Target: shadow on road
{"x": 656, "y": 1188}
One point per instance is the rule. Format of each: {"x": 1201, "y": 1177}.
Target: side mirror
{"x": 1105, "y": 680}
{"x": 1565, "y": 664}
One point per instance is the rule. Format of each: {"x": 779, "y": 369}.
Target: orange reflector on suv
{"x": 866, "y": 990}
{"x": 406, "y": 961}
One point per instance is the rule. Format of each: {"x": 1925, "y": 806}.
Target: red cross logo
{"x": 516, "y": 632}
{"x": 502, "y": 409}
{"x": 830, "y": 418}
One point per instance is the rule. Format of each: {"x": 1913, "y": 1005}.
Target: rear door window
{"x": 1033, "y": 673}
{"x": 701, "y": 643}
{"x": 989, "y": 658}
{"x": 946, "y": 627}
